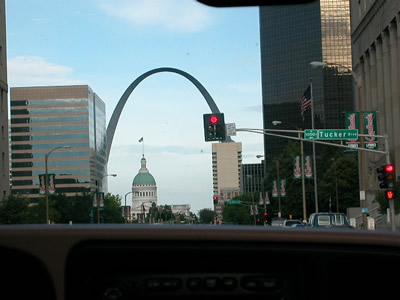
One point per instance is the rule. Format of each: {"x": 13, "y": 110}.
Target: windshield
{"x": 175, "y": 112}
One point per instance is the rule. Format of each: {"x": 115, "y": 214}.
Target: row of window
{"x": 71, "y": 101}
{"x": 145, "y": 194}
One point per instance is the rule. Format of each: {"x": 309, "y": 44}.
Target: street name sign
{"x": 331, "y": 134}
{"x": 234, "y": 202}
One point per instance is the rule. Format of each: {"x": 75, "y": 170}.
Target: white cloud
{"x": 35, "y": 70}
{"x": 174, "y": 15}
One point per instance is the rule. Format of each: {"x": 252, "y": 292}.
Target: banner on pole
{"x": 296, "y": 167}
{"x": 308, "y": 171}
{"x": 283, "y": 187}
{"x": 267, "y": 198}
{"x": 95, "y": 199}
{"x": 370, "y": 127}
{"x": 51, "y": 178}
{"x": 352, "y": 121}
{"x": 261, "y": 200}
{"x": 274, "y": 189}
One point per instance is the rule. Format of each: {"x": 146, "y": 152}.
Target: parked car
{"x": 329, "y": 220}
{"x": 291, "y": 222}
{"x": 277, "y": 221}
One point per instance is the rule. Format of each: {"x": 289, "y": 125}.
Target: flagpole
{"x": 313, "y": 146}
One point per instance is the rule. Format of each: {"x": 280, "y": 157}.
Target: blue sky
{"x": 108, "y": 44}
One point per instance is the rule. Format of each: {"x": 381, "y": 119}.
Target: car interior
{"x": 102, "y": 261}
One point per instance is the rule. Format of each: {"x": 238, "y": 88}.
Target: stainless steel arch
{"x": 112, "y": 124}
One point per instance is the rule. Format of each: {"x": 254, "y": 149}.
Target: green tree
{"x": 206, "y": 216}
{"x": 14, "y": 210}
{"x": 237, "y": 214}
{"x": 343, "y": 174}
{"x": 112, "y": 212}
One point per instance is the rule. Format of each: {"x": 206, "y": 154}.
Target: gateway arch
{"x": 112, "y": 124}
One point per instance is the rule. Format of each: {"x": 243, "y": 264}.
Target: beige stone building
{"x": 226, "y": 165}
{"x": 375, "y": 34}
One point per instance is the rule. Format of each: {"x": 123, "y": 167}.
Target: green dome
{"x": 143, "y": 179}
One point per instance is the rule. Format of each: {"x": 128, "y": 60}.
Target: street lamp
{"x": 125, "y": 212}
{"x": 97, "y": 194}
{"x": 303, "y": 185}
{"x": 264, "y": 192}
{"x": 46, "y": 184}
{"x": 361, "y": 154}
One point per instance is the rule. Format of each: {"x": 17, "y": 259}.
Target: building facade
{"x": 4, "y": 137}
{"x": 375, "y": 33}
{"x": 144, "y": 193}
{"x": 293, "y": 36}
{"x": 226, "y": 166}
{"x": 251, "y": 178}
{"x": 68, "y": 125}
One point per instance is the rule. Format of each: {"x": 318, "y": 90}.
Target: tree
{"x": 343, "y": 174}
{"x": 112, "y": 212}
{"x": 237, "y": 214}
{"x": 14, "y": 210}
{"x": 206, "y": 216}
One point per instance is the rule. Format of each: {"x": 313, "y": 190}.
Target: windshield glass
{"x": 175, "y": 112}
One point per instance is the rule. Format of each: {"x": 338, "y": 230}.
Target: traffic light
{"x": 214, "y": 127}
{"x": 265, "y": 217}
{"x": 389, "y": 194}
{"x": 215, "y": 200}
{"x": 386, "y": 176}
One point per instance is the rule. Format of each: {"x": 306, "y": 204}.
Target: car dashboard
{"x": 195, "y": 262}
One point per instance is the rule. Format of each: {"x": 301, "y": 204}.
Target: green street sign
{"x": 337, "y": 134}
{"x": 331, "y": 134}
{"x": 311, "y": 134}
{"x": 234, "y": 202}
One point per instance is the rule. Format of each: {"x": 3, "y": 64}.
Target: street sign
{"x": 331, "y": 134}
{"x": 230, "y": 129}
{"x": 311, "y": 134}
{"x": 234, "y": 202}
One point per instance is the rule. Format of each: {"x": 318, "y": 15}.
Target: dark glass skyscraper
{"x": 293, "y": 36}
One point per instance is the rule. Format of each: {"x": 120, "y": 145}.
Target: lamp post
{"x": 361, "y": 154}
{"x": 97, "y": 195}
{"x": 264, "y": 192}
{"x": 250, "y": 177}
{"x": 46, "y": 184}
{"x": 125, "y": 204}
{"x": 336, "y": 187}
{"x": 303, "y": 185}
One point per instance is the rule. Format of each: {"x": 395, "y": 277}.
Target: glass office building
{"x": 46, "y": 119}
{"x": 293, "y": 36}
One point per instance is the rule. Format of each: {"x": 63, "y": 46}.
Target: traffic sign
{"x": 234, "y": 202}
{"x": 311, "y": 134}
{"x": 331, "y": 134}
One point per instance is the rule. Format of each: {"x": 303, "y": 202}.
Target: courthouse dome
{"x": 143, "y": 177}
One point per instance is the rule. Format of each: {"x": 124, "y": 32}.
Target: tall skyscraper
{"x": 293, "y": 36}
{"x": 43, "y": 121}
{"x": 226, "y": 164}
{"x": 4, "y": 140}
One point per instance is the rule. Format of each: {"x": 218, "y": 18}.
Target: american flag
{"x": 305, "y": 101}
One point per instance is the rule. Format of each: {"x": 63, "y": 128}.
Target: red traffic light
{"x": 215, "y": 198}
{"x": 389, "y": 194}
{"x": 213, "y": 119}
{"x": 265, "y": 214}
{"x": 389, "y": 168}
